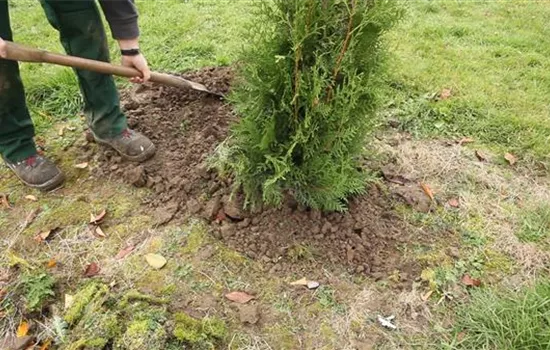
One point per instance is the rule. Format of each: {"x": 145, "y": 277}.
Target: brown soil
{"x": 186, "y": 127}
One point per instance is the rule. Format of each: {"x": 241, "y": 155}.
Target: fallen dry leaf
{"x": 22, "y": 330}
{"x": 427, "y": 295}
{"x": 445, "y": 94}
{"x": 156, "y": 261}
{"x": 470, "y": 282}
{"x": 46, "y": 345}
{"x": 428, "y": 191}
{"x": 300, "y": 282}
{"x": 124, "y": 252}
{"x": 96, "y": 219}
{"x": 91, "y": 270}
{"x": 453, "y": 202}
{"x": 31, "y": 197}
{"x": 99, "y": 232}
{"x": 61, "y": 131}
{"x": 510, "y": 158}
{"x": 4, "y": 201}
{"x": 481, "y": 156}
{"x": 51, "y": 263}
{"x": 42, "y": 236}
{"x": 465, "y": 140}
{"x": 239, "y": 297}
{"x": 81, "y": 165}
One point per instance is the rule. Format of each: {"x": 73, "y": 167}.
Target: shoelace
{"x": 126, "y": 133}
{"x": 31, "y": 161}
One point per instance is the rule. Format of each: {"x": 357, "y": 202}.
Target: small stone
{"x": 244, "y": 224}
{"x": 315, "y": 215}
{"x": 166, "y": 214}
{"x": 233, "y": 209}
{"x": 274, "y": 269}
{"x": 350, "y": 254}
{"x": 315, "y": 230}
{"x": 227, "y": 231}
{"x": 359, "y": 269}
{"x": 136, "y": 176}
{"x": 204, "y": 171}
{"x": 326, "y": 228}
{"x": 213, "y": 207}
{"x": 454, "y": 252}
{"x": 175, "y": 181}
{"x": 249, "y": 313}
{"x": 193, "y": 206}
{"x": 319, "y": 237}
{"x": 114, "y": 167}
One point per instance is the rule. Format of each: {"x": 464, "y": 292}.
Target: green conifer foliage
{"x": 306, "y": 98}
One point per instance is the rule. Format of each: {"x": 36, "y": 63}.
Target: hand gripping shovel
{"x": 17, "y": 52}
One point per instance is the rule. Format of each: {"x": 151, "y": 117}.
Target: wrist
{"x": 128, "y": 44}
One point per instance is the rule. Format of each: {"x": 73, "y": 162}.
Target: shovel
{"x": 17, "y": 52}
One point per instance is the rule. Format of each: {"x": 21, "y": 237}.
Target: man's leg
{"x": 82, "y": 34}
{"x": 16, "y": 128}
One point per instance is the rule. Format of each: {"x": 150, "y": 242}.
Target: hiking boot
{"x": 131, "y": 144}
{"x": 37, "y": 172}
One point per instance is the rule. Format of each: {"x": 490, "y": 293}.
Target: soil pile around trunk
{"x": 186, "y": 127}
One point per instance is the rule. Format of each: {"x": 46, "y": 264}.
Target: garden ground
{"x": 467, "y": 85}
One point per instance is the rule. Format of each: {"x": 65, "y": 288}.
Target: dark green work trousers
{"x": 82, "y": 34}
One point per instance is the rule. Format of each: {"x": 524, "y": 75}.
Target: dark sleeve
{"x": 122, "y": 16}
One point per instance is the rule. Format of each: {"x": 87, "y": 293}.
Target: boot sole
{"x": 50, "y": 185}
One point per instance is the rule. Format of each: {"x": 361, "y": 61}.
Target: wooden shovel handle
{"x": 17, "y": 52}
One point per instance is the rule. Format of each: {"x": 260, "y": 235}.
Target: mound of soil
{"x": 186, "y": 127}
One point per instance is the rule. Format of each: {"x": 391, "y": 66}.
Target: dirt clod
{"x": 249, "y": 313}
{"x": 135, "y": 176}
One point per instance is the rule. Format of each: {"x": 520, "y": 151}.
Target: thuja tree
{"x": 306, "y": 98}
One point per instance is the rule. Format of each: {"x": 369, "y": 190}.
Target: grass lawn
{"x": 457, "y": 69}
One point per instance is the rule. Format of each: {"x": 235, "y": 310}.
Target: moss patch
{"x": 199, "y": 334}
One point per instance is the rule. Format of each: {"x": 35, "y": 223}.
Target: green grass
{"x": 494, "y": 55}
{"x": 505, "y": 320}
{"x": 535, "y": 226}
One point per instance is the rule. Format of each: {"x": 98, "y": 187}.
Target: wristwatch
{"x": 129, "y": 52}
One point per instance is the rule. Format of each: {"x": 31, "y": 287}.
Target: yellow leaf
{"x": 46, "y": 345}
{"x": 428, "y": 191}
{"x": 510, "y": 158}
{"x": 51, "y": 263}
{"x": 156, "y": 261}
{"x": 22, "y": 330}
